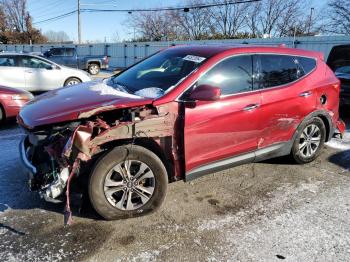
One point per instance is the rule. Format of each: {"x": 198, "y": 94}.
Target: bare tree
{"x": 154, "y": 26}
{"x": 56, "y": 36}
{"x": 252, "y": 19}
{"x": 18, "y": 23}
{"x": 228, "y": 19}
{"x": 196, "y": 23}
{"x": 339, "y": 17}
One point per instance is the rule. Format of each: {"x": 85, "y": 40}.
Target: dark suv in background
{"x": 68, "y": 56}
{"x": 339, "y": 62}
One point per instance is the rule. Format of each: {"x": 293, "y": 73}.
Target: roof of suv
{"x": 211, "y": 50}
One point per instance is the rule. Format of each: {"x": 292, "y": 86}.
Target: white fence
{"x": 124, "y": 54}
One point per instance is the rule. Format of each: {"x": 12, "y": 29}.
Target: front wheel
{"x": 309, "y": 141}
{"x": 128, "y": 181}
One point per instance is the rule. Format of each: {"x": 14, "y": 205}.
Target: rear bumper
{"x": 340, "y": 128}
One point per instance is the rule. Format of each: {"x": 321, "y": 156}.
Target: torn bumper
{"x": 340, "y": 128}
{"x": 23, "y": 150}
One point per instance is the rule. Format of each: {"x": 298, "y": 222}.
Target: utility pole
{"x": 310, "y": 21}
{"x": 79, "y": 25}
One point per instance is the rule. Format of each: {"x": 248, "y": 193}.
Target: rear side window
{"x": 307, "y": 64}
{"x": 7, "y": 61}
{"x": 276, "y": 70}
{"x": 233, "y": 75}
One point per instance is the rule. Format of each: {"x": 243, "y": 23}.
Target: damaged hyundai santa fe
{"x": 181, "y": 113}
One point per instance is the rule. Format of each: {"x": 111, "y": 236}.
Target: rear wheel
{"x": 309, "y": 141}
{"x": 129, "y": 181}
{"x": 94, "y": 68}
{"x": 72, "y": 81}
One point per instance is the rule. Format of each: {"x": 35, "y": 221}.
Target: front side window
{"x": 33, "y": 62}
{"x": 7, "y": 61}
{"x": 232, "y": 76}
{"x": 276, "y": 70}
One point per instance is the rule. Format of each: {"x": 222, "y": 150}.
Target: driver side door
{"x": 39, "y": 74}
{"x": 223, "y": 133}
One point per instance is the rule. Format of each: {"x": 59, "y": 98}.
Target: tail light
{"x": 106, "y": 59}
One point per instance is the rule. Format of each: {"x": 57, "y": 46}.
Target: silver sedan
{"x": 33, "y": 73}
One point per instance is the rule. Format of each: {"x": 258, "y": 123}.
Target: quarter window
{"x": 233, "y": 75}
{"x": 276, "y": 70}
{"x": 307, "y": 64}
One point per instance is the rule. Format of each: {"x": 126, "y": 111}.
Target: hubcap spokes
{"x": 129, "y": 185}
{"x": 309, "y": 140}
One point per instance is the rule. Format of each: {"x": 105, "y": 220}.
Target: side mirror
{"x": 206, "y": 93}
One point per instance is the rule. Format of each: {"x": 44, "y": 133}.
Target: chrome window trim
{"x": 252, "y": 91}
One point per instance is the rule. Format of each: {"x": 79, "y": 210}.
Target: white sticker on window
{"x": 193, "y": 58}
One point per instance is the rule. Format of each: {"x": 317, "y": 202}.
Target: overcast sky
{"x": 97, "y": 26}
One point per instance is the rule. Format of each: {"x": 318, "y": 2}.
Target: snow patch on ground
{"x": 341, "y": 144}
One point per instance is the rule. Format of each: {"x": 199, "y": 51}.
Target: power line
{"x": 56, "y": 17}
{"x": 184, "y": 8}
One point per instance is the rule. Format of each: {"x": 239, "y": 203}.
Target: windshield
{"x": 156, "y": 74}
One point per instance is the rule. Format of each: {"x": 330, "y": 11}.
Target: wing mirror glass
{"x": 206, "y": 93}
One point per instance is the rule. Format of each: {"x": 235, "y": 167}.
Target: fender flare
{"x": 325, "y": 117}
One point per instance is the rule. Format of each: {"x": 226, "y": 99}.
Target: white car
{"x": 36, "y": 74}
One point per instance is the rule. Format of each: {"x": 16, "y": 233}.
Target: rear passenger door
{"x": 287, "y": 95}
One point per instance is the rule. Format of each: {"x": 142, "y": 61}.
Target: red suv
{"x": 182, "y": 113}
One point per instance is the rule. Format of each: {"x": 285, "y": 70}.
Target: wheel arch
{"x": 326, "y": 119}
{"x": 150, "y": 144}
{"x": 89, "y": 62}
{"x": 65, "y": 81}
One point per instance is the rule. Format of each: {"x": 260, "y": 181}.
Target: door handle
{"x": 251, "y": 107}
{"x": 29, "y": 71}
{"x": 305, "y": 94}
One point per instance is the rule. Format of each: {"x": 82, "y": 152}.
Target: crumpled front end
{"x": 55, "y": 154}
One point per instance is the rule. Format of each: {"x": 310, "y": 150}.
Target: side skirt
{"x": 276, "y": 150}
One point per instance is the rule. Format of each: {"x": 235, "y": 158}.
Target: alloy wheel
{"x": 93, "y": 69}
{"x": 129, "y": 185}
{"x": 73, "y": 82}
{"x": 310, "y": 140}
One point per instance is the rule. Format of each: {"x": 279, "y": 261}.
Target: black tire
{"x": 103, "y": 167}
{"x": 298, "y": 154}
{"x": 2, "y": 114}
{"x": 94, "y": 69}
{"x": 72, "y": 81}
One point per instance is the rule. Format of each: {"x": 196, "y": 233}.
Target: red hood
{"x": 76, "y": 102}
{"x": 10, "y": 91}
